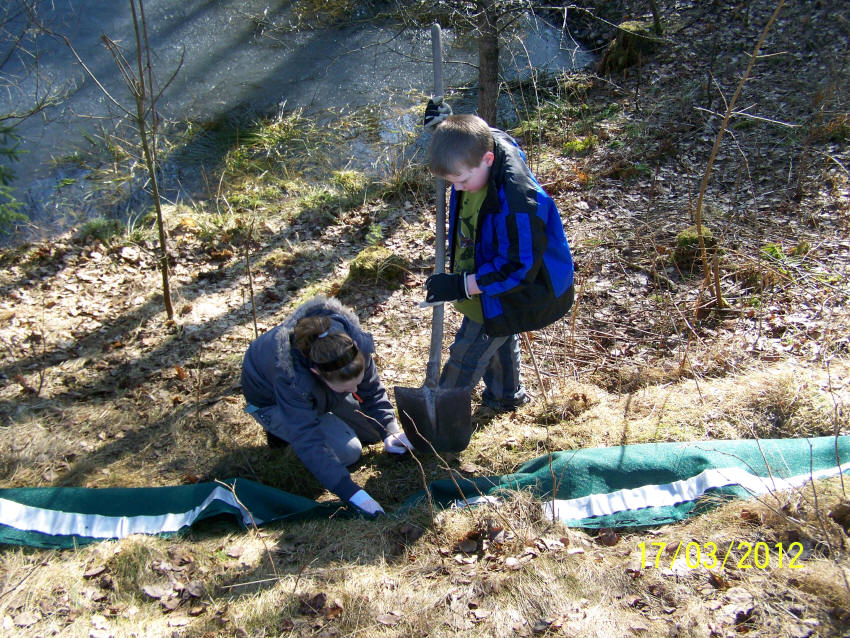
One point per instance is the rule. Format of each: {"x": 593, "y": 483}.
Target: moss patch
{"x": 377, "y": 264}
{"x": 686, "y": 252}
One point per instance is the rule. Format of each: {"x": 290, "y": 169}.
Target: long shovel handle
{"x": 432, "y": 374}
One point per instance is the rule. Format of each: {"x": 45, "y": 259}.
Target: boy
{"x": 510, "y": 267}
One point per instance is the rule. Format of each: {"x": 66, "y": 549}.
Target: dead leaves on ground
{"x": 174, "y": 583}
{"x": 501, "y": 548}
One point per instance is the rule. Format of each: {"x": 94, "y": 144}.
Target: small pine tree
{"x": 9, "y": 206}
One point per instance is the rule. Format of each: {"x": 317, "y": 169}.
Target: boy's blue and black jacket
{"x": 523, "y": 263}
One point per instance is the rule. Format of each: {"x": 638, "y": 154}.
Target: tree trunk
{"x": 488, "y": 63}
{"x": 656, "y": 18}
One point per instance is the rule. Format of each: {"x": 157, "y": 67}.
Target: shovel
{"x": 434, "y": 418}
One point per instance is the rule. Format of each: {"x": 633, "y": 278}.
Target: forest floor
{"x": 98, "y": 388}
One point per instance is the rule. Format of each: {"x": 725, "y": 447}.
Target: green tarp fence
{"x": 622, "y": 486}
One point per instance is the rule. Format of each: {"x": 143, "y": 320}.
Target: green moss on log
{"x": 686, "y": 252}
{"x": 635, "y": 40}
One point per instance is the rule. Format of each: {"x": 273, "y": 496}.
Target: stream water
{"x": 238, "y": 58}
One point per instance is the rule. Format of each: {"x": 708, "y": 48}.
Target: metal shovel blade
{"x": 435, "y": 419}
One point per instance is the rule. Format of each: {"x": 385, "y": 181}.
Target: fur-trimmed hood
{"x": 342, "y": 319}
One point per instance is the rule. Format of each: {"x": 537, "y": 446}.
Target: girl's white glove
{"x": 397, "y": 443}
{"x": 362, "y": 501}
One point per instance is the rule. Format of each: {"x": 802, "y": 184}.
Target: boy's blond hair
{"x": 459, "y": 142}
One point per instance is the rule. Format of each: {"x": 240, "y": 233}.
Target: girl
{"x": 310, "y": 382}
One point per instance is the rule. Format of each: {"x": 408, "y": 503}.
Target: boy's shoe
{"x": 504, "y": 405}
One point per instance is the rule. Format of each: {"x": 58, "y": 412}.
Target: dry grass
{"x": 493, "y": 570}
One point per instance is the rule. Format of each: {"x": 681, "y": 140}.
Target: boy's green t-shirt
{"x": 464, "y": 248}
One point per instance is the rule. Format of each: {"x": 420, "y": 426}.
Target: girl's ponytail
{"x": 334, "y": 354}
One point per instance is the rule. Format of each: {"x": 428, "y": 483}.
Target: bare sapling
{"x": 248, "y": 239}
{"x": 143, "y": 113}
{"x": 718, "y": 297}
{"x": 251, "y": 278}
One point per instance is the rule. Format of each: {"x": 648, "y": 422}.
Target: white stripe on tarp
{"x": 678, "y": 492}
{"x": 49, "y": 521}
{"x": 667, "y": 494}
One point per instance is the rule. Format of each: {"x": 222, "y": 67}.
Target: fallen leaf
{"x": 608, "y": 537}
{"x": 468, "y": 546}
{"x": 162, "y": 566}
{"x": 221, "y": 255}
{"x": 717, "y": 581}
{"x": 389, "y": 619}
{"x": 751, "y": 516}
{"x": 656, "y": 589}
{"x": 739, "y": 607}
{"x": 129, "y": 254}
{"x": 26, "y": 619}
{"x": 479, "y": 614}
{"x": 196, "y": 589}
{"x": 333, "y": 609}
{"x": 235, "y": 551}
{"x": 800, "y": 631}
{"x": 311, "y": 605}
{"x": 156, "y": 591}
{"x": 169, "y": 604}
{"x": 541, "y": 626}
{"x": 550, "y": 544}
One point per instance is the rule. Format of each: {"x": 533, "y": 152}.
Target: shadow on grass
{"x": 131, "y": 377}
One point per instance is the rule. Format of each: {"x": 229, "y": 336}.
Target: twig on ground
{"x": 255, "y": 528}
{"x": 835, "y": 424}
{"x": 543, "y": 389}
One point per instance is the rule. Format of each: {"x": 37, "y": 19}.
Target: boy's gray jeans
{"x": 345, "y": 430}
{"x": 474, "y": 355}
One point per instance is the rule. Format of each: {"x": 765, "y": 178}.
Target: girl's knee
{"x": 341, "y": 439}
{"x": 350, "y": 452}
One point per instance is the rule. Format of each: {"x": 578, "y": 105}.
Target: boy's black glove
{"x": 436, "y": 112}
{"x": 445, "y": 287}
